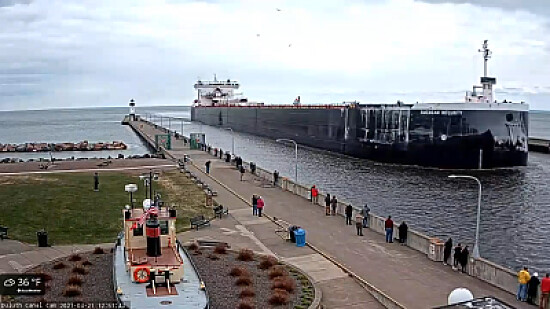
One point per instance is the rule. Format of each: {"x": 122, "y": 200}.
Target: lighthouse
{"x": 132, "y": 113}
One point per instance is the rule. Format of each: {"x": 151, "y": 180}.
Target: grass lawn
{"x": 66, "y": 206}
{"x": 183, "y": 194}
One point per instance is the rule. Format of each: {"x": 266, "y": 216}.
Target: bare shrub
{"x": 279, "y": 297}
{"x": 247, "y": 292}
{"x": 277, "y": 271}
{"x": 99, "y": 250}
{"x": 75, "y": 280}
{"x": 245, "y": 255}
{"x": 86, "y": 263}
{"x": 75, "y": 257}
{"x": 267, "y": 262}
{"x": 220, "y": 249}
{"x": 72, "y": 291}
{"x": 193, "y": 246}
{"x": 79, "y": 269}
{"x": 239, "y": 271}
{"x": 46, "y": 276}
{"x": 245, "y": 304}
{"x": 59, "y": 265}
{"x": 243, "y": 281}
{"x": 284, "y": 283}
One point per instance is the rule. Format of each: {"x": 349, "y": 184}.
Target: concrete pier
{"x": 397, "y": 276}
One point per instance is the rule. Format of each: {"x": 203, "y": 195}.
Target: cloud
{"x": 539, "y": 7}
{"x": 101, "y": 53}
{"x": 5, "y": 3}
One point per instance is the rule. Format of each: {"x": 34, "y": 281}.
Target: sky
{"x": 93, "y": 53}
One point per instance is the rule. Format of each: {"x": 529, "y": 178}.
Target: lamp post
{"x": 295, "y": 155}
{"x": 475, "y": 253}
{"x": 232, "y": 141}
{"x": 131, "y": 188}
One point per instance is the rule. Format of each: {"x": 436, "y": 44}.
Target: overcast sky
{"x": 85, "y": 53}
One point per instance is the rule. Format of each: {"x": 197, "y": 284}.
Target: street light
{"x": 131, "y": 188}
{"x": 232, "y": 140}
{"x": 295, "y": 155}
{"x": 475, "y": 254}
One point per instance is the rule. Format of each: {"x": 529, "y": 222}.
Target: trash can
{"x": 435, "y": 252}
{"x": 291, "y": 231}
{"x": 42, "y": 236}
{"x": 227, "y": 157}
{"x": 252, "y": 168}
{"x": 300, "y": 235}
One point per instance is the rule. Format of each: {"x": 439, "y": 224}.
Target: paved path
{"x": 243, "y": 230}
{"x": 16, "y": 257}
{"x": 401, "y": 272}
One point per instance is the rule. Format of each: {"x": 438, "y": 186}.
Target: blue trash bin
{"x": 300, "y": 235}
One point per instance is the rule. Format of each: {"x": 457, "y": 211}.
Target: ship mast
{"x": 486, "y": 55}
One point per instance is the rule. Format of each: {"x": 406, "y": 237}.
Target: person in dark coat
{"x": 327, "y": 205}
{"x": 254, "y": 204}
{"x": 403, "y": 229}
{"x": 333, "y": 204}
{"x": 207, "y": 165}
{"x": 532, "y": 287}
{"x": 448, "y": 247}
{"x": 464, "y": 258}
{"x": 349, "y": 213}
{"x": 456, "y": 255}
{"x": 275, "y": 177}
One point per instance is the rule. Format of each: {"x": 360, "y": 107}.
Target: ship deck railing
{"x": 281, "y": 106}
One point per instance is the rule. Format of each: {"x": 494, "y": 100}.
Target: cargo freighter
{"x": 477, "y": 133}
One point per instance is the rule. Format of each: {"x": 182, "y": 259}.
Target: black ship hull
{"x": 451, "y": 138}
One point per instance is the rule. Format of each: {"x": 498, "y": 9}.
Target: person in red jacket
{"x": 389, "y": 229}
{"x": 314, "y": 195}
{"x": 260, "y": 206}
{"x": 544, "y": 291}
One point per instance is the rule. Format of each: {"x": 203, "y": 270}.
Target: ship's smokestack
{"x": 152, "y": 228}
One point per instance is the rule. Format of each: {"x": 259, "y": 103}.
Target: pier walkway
{"x": 404, "y": 274}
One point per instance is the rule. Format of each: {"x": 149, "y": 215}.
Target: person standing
{"x": 544, "y": 291}
{"x": 314, "y": 195}
{"x": 403, "y": 230}
{"x": 275, "y": 177}
{"x": 349, "y": 213}
{"x": 532, "y": 288}
{"x": 242, "y": 170}
{"x": 456, "y": 256}
{"x": 334, "y": 204}
{"x": 260, "y": 205}
{"x": 523, "y": 279}
{"x": 207, "y": 165}
{"x": 366, "y": 211}
{"x": 447, "y": 248}
{"x": 388, "y": 225}
{"x": 359, "y": 223}
{"x": 254, "y": 204}
{"x": 327, "y": 205}
{"x": 464, "y": 258}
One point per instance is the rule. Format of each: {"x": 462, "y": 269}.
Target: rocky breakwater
{"x": 80, "y": 146}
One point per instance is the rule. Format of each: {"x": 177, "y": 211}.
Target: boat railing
{"x": 280, "y": 106}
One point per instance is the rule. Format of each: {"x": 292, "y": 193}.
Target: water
{"x": 515, "y": 200}
{"x": 68, "y": 125}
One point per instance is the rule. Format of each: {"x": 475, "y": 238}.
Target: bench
{"x": 219, "y": 211}
{"x": 199, "y": 221}
{"x": 3, "y": 232}
{"x": 211, "y": 192}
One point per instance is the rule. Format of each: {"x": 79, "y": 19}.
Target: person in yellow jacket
{"x": 523, "y": 279}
